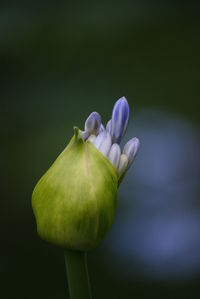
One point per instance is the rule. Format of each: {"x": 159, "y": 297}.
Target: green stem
{"x": 77, "y": 274}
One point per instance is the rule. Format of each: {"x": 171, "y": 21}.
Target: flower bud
{"x": 114, "y": 155}
{"x": 75, "y": 199}
{"x": 131, "y": 149}
{"x": 119, "y": 120}
{"x": 93, "y": 123}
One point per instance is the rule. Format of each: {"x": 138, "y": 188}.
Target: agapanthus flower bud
{"x": 93, "y": 123}
{"x": 114, "y": 154}
{"x": 130, "y": 149}
{"x": 75, "y": 200}
{"x": 119, "y": 120}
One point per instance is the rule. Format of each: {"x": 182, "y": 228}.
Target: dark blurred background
{"x": 61, "y": 60}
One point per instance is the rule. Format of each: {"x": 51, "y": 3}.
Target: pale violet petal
{"x": 93, "y": 123}
{"x": 105, "y": 145}
{"x": 100, "y": 139}
{"x": 114, "y": 155}
{"x": 130, "y": 149}
{"x": 119, "y": 120}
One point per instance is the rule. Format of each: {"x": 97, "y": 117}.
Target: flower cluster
{"x": 74, "y": 201}
{"x": 107, "y": 139}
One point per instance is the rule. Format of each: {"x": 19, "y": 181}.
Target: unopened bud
{"x": 131, "y": 149}
{"x": 114, "y": 155}
{"x": 119, "y": 120}
{"x": 93, "y": 123}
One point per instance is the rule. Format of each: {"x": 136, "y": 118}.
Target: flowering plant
{"x": 75, "y": 200}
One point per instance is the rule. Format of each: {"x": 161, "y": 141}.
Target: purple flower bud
{"x": 92, "y": 138}
{"x": 123, "y": 163}
{"x": 114, "y": 154}
{"x": 93, "y": 123}
{"x": 108, "y": 126}
{"x": 103, "y": 143}
{"x": 119, "y": 120}
{"x": 130, "y": 149}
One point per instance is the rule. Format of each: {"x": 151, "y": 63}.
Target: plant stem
{"x": 77, "y": 274}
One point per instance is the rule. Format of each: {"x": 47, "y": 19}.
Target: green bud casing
{"x": 74, "y": 201}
